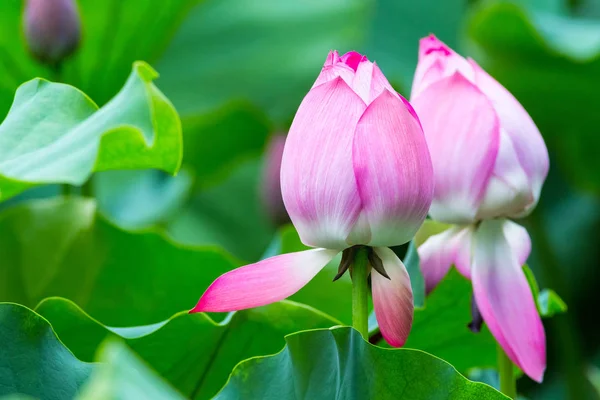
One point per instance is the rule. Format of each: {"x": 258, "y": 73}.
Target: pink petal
{"x": 505, "y": 299}
{"x": 393, "y": 171}
{"x": 264, "y": 282}
{"x": 463, "y": 134}
{"x": 508, "y": 192}
{"x": 439, "y": 252}
{"x": 437, "y": 61}
{"x": 317, "y": 177}
{"x": 353, "y": 59}
{"x": 369, "y": 82}
{"x": 392, "y": 298}
{"x": 527, "y": 141}
{"x": 334, "y": 68}
{"x": 518, "y": 240}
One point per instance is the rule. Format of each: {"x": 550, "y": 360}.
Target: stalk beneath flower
{"x": 508, "y": 384}
{"x": 360, "y": 291}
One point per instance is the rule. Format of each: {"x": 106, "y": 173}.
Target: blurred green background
{"x": 236, "y": 70}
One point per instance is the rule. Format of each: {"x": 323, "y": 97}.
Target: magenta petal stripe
{"x": 317, "y": 179}
{"x": 505, "y": 299}
{"x": 264, "y": 282}
{"x": 392, "y": 298}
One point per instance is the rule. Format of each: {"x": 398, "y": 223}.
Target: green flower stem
{"x": 360, "y": 292}
{"x": 508, "y": 384}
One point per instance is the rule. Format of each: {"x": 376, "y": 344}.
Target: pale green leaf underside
{"x": 54, "y": 133}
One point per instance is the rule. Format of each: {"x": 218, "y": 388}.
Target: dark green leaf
{"x": 61, "y": 247}
{"x": 339, "y": 364}
{"x": 191, "y": 351}
{"x": 55, "y": 134}
{"x": 33, "y": 361}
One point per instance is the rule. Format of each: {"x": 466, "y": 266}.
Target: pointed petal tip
{"x": 430, "y": 44}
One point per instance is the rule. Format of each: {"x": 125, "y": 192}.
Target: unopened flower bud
{"x": 270, "y": 184}
{"x": 52, "y": 29}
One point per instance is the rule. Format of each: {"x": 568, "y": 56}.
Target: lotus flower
{"x": 355, "y": 172}
{"x": 489, "y": 162}
{"x": 52, "y": 29}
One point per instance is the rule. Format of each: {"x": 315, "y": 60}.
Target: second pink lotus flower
{"x": 355, "y": 171}
{"x": 490, "y": 162}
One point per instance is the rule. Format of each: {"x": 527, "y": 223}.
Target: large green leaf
{"x": 547, "y": 61}
{"x": 139, "y": 30}
{"x": 338, "y": 363}
{"x": 55, "y": 134}
{"x": 190, "y": 350}
{"x": 121, "y": 375}
{"x": 61, "y": 247}
{"x": 33, "y": 361}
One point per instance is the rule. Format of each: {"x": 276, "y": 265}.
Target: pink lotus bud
{"x": 489, "y": 158}
{"x": 52, "y": 29}
{"x": 270, "y": 183}
{"x": 490, "y": 162}
{"x": 355, "y": 169}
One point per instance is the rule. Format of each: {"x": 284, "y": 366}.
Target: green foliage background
{"x": 165, "y": 193}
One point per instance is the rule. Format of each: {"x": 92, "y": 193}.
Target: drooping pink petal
{"x": 508, "y": 192}
{"x": 528, "y": 143}
{"x": 437, "y": 61}
{"x": 317, "y": 178}
{"x": 392, "y": 298}
{"x": 264, "y": 282}
{"x": 505, "y": 300}
{"x": 393, "y": 171}
{"x": 463, "y": 134}
{"x": 518, "y": 241}
{"x": 439, "y": 252}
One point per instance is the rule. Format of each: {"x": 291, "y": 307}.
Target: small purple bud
{"x": 52, "y": 29}
{"x": 271, "y": 183}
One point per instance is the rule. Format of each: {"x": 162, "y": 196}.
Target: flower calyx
{"x": 349, "y": 255}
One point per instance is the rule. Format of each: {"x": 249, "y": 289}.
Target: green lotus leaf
{"x": 54, "y": 133}
{"x": 193, "y": 352}
{"x": 338, "y": 364}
